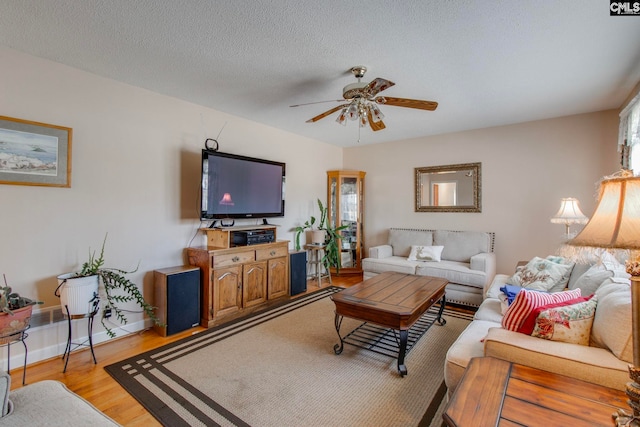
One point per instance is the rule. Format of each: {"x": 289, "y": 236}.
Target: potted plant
{"x": 117, "y": 289}
{"x": 15, "y": 312}
{"x": 331, "y": 238}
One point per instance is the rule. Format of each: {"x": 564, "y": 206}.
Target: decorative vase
{"x": 12, "y": 324}
{"x": 318, "y": 237}
{"x": 77, "y": 293}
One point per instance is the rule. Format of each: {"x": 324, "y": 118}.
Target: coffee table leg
{"x": 337, "y": 349}
{"x": 441, "y": 320}
{"x": 402, "y": 369}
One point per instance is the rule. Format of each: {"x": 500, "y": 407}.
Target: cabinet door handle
{"x": 250, "y": 271}
{"x": 235, "y": 259}
{"x": 224, "y": 275}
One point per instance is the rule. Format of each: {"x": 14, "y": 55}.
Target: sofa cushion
{"x": 425, "y": 253}
{"x": 591, "y": 280}
{"x": 394, "y": 263}
{"x": 51, "y": 403}
{"x": 469, "y": 344}
{"x": 454, "y": 272}
{"x": 568, "y": 321}
{"x": 402, "y": 239}
{"x": 592, "y": 364}
{"x": 462, "y": 245}
{"x": 612, "y": 322}
{"x": 542, "y": 275}
{"x": 577, "y": 271}
{"x": 527, "y": 301}
{"x": 491, "y": 310}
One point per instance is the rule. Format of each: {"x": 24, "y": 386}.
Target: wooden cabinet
{"x": 254, "y": 283}
{"x": 345, "y": 206}
{"x": 234, "y": 278}
{"x": 278, "y": 273}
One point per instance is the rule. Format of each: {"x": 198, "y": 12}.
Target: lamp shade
{"x": 226, "y": 200}
{"x": 615, "y": 223}
{"x": 569, "y": 213}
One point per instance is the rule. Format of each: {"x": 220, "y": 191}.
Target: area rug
{"x": 278, "y": 368}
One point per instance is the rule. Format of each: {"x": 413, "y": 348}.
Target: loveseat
{"x": 604, "y": 357}
{"x": 46, "y": 403}
{"x": 464, "y": 258}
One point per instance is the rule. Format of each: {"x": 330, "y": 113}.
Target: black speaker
{"x": 298, "y": 271}
{"x": 177, "y": 298}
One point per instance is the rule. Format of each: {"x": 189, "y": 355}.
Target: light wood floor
{"x": 94, "y": 384}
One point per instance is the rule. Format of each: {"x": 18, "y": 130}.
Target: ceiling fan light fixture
{"x": 363, "y": 120}
{"x": 352, "y": 111}
{"x": 342, "y": 117}
{"x": 376, "y": 114}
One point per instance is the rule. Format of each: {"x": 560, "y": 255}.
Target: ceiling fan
{"x": 362, "y": 102}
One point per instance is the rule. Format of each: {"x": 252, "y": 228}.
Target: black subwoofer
{"x": 177, "y": 298}
{"x": 298, "y": 271}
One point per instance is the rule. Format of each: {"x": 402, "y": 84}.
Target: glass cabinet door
{"x": 345, "y": 205}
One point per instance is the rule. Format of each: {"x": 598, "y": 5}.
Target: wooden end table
{"x": 392, "y": 300}
{"x": 494, "y": 392}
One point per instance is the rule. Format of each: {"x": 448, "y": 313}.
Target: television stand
{"x": 236, "y": 279}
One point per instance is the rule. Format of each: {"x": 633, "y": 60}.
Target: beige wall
{"x": 526, "y": 169}
{"x": 136, "y": 166}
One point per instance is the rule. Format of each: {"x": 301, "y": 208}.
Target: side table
{"x": 316, "y": 268}
{"x": 495, "y": 392}
{"x": 19, "y": 336}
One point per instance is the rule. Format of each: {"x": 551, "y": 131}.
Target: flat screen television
{"x": 236, "y": 186}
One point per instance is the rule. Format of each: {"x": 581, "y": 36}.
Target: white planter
{"x": 76, "y": 293}
{"x": 318, "y": 237}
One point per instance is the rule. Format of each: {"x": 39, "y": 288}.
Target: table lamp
{"x": 615, "y": 224}
{"x": 569, "y": 213}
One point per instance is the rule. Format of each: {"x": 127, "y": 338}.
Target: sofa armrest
{"x": 382, "y": 251}
{"x": 592, "y": 364}
{"x": 485, "y": 262}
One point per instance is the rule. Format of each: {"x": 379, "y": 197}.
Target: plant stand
{"x": 319, "y": 271}
{"x": 70, "y": 343}
{"x": 13, "y": 338}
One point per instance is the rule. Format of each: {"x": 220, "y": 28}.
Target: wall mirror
{"x": 449, "y": 188}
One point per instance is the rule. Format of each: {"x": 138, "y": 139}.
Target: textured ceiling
{"x": 486, "y": 62}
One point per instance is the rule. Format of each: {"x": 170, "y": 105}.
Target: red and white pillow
{"x": 526, "y": 301}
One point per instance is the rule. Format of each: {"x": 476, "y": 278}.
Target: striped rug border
{"x": 148, "y": 368}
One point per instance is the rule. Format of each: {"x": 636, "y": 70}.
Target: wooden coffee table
{"x": 494, "y": 392}
{"x": 389, "y": 304}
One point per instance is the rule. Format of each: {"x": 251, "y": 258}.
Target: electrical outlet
{"x": 106, "y": 313}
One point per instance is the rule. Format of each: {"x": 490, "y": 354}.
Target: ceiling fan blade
{"x": 375, "y": 126}
{"x": 409, "y": 103}
{"x": 326, "y": 113}
{"x": 317, "y": 102}
{"x": 377, "y": 85}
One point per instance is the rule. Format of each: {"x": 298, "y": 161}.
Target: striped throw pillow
{"x": 526, "y": 301}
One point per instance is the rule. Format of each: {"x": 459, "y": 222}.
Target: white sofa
{"x": 604, "y": 361}
{"x": 46, "y": 403}
{"x": 467, "y": 260}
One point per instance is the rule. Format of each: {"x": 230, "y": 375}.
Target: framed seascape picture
{"x": 33, "y": 153}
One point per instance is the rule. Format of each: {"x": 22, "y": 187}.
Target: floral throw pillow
{"x": 526, "y": 301}
{"x": 425, "y": 253}
{"x": 542, "y": 275}
{"x": 566, "y": 322}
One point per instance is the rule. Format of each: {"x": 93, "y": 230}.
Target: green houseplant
{"x": 118, "y": 289}
{"x": 15, "y": 312}
{"x": 332, "y": 237}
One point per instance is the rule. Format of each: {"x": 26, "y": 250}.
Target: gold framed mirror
{"x": 449, "y": 188}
